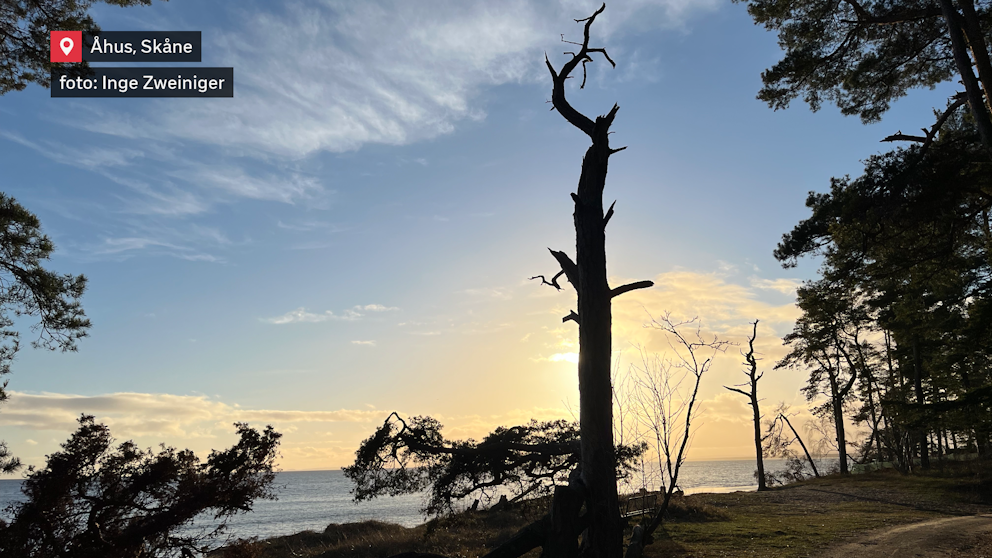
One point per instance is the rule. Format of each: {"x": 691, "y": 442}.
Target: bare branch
{"x": 740, "y": 391}
{"x": 554, "y": 280}
{"x": 572, "y": 316}
{"x": 609, "y": 213}
{"x": 899, "y": 136}
{"x": 573, "y": 116}
{"x": 959, "y": 100}
{"x": 603, "y": 52}
{"x": 630, "y": 287}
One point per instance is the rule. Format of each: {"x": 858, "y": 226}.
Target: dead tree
{"x": 594, "y": 481}
{"x": 776, "y": 443}
{"x": 597, "y": 479}
{"x": 753, "y": 376}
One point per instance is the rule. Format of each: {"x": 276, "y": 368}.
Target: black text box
{"x": 143, "y": 46}
{"x": 146, "y": 82}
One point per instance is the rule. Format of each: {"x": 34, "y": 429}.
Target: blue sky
{"x": 351, "y": 234}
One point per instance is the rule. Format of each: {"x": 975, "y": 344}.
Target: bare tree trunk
{"x": 604, "y": 535}
{"x": 837, "y": 403}
{"x": 757, "y": 439}
{"x": 752, "y": 373}
{"x": 595, "y": 349}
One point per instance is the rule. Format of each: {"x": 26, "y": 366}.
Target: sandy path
{"x": 969, "y": 536}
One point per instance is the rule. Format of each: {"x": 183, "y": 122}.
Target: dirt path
{"x": 953, "y": 536}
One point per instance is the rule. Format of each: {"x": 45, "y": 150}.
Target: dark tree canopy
{"x": 859, "y": 55}
{"x": 24, "y": 39}
{"x": 405, "y": 456}
{"x": 28, "y": 290}
{"x": 97, "y": 500}
{"x": 909, "y": 210}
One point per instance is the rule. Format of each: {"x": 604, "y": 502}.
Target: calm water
{"x": 313, "y": 499}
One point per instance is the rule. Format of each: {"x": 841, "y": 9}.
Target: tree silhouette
{"x": 96, "y": 500}
{"x": 597, "y": 482}
{"x": 407, "y": 456}
{"x": 752, "y": 395}
{"x": 862, "y": 55}
{"x": 28, "y": 289}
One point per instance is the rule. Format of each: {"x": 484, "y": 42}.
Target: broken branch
{"x": 931, "y": 134}
{"x": 609, "y": 213}
{"x": 630, "y": 287}
{"x": 568, "y": 266}
{"x": 554, "y": 280}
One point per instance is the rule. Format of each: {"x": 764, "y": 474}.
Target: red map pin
{"x": 66, "y": 46}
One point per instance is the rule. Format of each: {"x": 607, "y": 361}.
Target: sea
{"x": 311, "y": 500}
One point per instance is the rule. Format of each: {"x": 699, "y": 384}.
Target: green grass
{"x": 775, "y": 530}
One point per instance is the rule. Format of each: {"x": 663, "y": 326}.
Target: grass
{"x": 773, "y": 529}
{"x": 785, "y": 522}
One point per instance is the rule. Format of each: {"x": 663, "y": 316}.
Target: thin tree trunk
{"x": 918, "y": 388}
{"x": 799, "y": 439}
{"x": 838, "y": 408}
{"x": 757, "y": 441}
{"x": 753, "y": 377}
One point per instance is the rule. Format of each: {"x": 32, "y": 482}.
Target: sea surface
{"x": 310, "y": 500}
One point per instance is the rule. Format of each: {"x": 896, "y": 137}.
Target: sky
{"x": 352, "y": 234}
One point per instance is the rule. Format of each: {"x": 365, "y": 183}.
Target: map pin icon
{"x": 66, "y": 45}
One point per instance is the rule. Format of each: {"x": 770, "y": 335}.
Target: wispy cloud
{"x": 366, "y": 343}
{"x": 386, "y": 72}
{"x": 500, "y": 293}
{"x": 301, "y": 315}
{"x": 784, "y": 286}
{"x": 126, "y": 246}
{"x": 202, "y": 423}
{"x": 377, "y": 308}
{"x": 233, "y": 179}
{"x": 310, "y": 226}
{"x": 559, "y": 357}
{"x": 137, "y": 414}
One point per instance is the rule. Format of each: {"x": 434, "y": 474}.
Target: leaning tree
{"x": 596, "y": 483}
